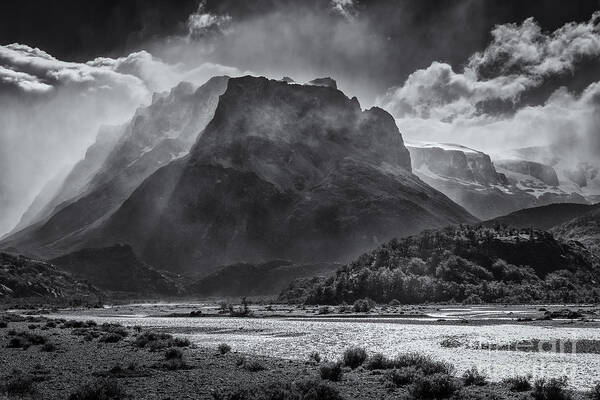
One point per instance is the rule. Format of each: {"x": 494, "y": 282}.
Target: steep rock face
{"x": 282, "y": 171}
{"x": 485, "y": 188}
{"x": 116, "y": 268}
{"x": 456, "y": 162}
{"x": 155, "y": 136}
{"x": 544, "y": 173}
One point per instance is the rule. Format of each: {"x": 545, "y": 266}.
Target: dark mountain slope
{"x": 545, "y": 217}
{"x": 256, "y": 279}
{"x": 116, "y": 268}
{"x": 22, "y": 277}
{"x": 155, "y": 136}
{"x": 282, "y": 171}
{"x": 584, "y": 229}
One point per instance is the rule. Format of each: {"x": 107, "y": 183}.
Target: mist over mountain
{"x": 288, "y": 171}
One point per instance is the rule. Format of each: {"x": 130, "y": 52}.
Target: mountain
{"x": 22, "y": 277}
{"x": 544, "y": 217}
{"x": 156, "y": 135}
{"x": 246, "y": 279}
{"x": 584, "y": 229}
{"x": 484, "y": 187}
{"x": 282, "y": 171}
{"x": 67, "y": 186}
{"x": 471, "y": 264}
{"x": 117, "y": 269}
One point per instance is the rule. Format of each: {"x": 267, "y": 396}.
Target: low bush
{"x": 224, "y": 348}
{"x": 595, "y": 392}
{"x": 551, "y": 389}
{"x": 312, "y": 389}
{"x": 3, "y": 324}
{"x": 18, "y": 384}
{"x": 48, "y": 347}
{"x": 314, "y": 357}
{"x": 450, "y": 343}
{"x": 32, "y": 326}
{"x": 99, "y": 390}
{"x": 403, "y": 376}
{"x": 116, "y": 329}
{"x": 435, "y": 386}
{"x": 324, "y": 310}
{"x": 378, "y": 361}
{"x": 174, "y": 359}
{"x": 518, "y": 383}
{"x": 25, "y": 339}
{"x": 110, "y": 338}
{"x": 423, "y": 362}
{"x": 158, "y": 341}
{"x": 472, "y": 377}
{"x": 354, "y": 357}
{"x": 363, "y": 305}
{"x": 253, "y": 366}
{"x": 331, "y": 371}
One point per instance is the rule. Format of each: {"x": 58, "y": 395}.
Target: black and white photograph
{"x": 300, "y": 199}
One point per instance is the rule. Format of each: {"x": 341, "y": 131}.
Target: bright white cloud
{"x": 440, "y": 104}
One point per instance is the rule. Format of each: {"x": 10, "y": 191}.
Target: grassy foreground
{"x": 42, "y": 358}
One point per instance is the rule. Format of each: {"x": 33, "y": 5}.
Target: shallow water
{"x": 295, "y": 338}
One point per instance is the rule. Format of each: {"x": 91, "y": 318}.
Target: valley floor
{"x": 45, "y": 358}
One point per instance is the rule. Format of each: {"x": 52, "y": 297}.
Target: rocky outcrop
{"x": 282, "y": 171}
{"x": 485, "y": 188}
{"x": 544, "y": 173}
{"x": 455, "y": 161}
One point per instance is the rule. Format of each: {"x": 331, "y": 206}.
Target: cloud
{"x": 468, "y": 107}
{"x": 51, "y": 111}
{"x": 202, "y": 24}
{"x": 344, "y": 7}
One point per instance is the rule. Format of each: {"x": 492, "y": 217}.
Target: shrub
{"x": 25, "y": 339}
{"x": 224, "y": 348}
{"x": 116, "y": 329}
{"x": 518, "y": 383}
{"x": 331, "y": 371}
{"x": 253, "y": 366}
{"x": 423, "y": 362}
{"x": 324, "y": 310}
{"x": 354, "y": 357}
{"x": 314, "y": 357}
{"x": 174, "y": 359}
{"x": 363, "y": 305}
{"x": 32, "y": 326}
{"x": 450, "y": 343}
{"x": 306, "y": 389}
{"x": 3, "y": 324}
{"x": 394, "y": 303}
{"x": 110, "y": 338}
{"x": 378, "y": 361}
{"x": 474, "y": 377}
{"x": 403, "y": 376}
{"x": 50, "y": 324}
{"x": 158, "y": 341}
{"x": 99, "y": 390}
{"x": 18, "y": 384}
{"x": 435, "y": 386}
{"x": 48, "y": 347}
{"x": 551, "y": 389}
{"x": 595, "y": 392}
